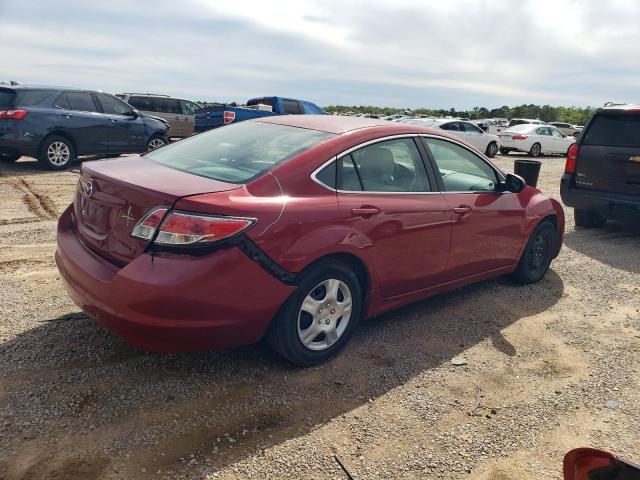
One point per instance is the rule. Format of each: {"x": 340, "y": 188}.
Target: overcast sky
{"x": 401, "y": 53}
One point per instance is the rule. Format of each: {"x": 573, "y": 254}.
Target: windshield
{"x": 238, "y": 153}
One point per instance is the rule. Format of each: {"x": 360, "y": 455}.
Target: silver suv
{"x": 178, "y": 112}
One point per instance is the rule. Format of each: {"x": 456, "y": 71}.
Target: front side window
{"x": 81, "y": 101}
{"x": 388, "y": 166}
{"x": 112, "y": 105}
{"x": 291, "y": 106}
{"x": 188, "y": 108}
{"x": 460, "y": 169}
{"x": 239, "y": 152}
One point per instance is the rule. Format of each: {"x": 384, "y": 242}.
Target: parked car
{"x": 177, "y": 111}
{"x": 602, "y": 173}
{"x": 293, "y": 227}
{"x": 568, "y": 129}
{"x": 487, "y": 143}
{"x": 521, "y": 121}
{"x": 56, "y": 125}
{"x": 535, "y": 140}
{"x": 220, "y": 115}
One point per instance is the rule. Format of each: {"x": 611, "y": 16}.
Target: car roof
{"x": 622, "y": 107}
{"x": 36, "y": 87}
{"x": 330, "y": 123}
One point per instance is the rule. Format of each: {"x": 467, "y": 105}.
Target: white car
{"x": 535, "y": 140}
{"x": 467, "y": 131}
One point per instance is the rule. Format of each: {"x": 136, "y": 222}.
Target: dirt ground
{"x": 549, "y": 367}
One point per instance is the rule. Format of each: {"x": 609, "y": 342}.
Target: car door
{"x": 82, "y": 120}
{"x": 126, "y": 129}
{"x": 188, "y": 110}
{"x": 474, "y": 135}
{"x": 561, "y": 143}
{"x": 387, "y": 197}
{"x": 545, "y": 139}
{"x": 488, "y": 226}
{"x": 169, "y": 109}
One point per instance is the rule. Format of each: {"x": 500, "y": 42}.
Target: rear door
{"x": 126, "y": 132}
{"x": 83, "y": 120}
{"x": 474, "y": 135}
{"x": 169, "y": 109}
{"x": 609, "y": 154}
{"x": 385, "y": 193}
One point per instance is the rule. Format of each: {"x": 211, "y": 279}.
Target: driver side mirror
{"x": 513, "y": 183}
{"x": 134, "y": 114}
{"x": 592, "y": 464}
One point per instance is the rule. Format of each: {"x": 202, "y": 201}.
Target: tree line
{"x": 547, "y": 113}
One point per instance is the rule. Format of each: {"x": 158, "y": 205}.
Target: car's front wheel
{"x": 538, "y": 254}
{"x": 156, "y": 141}
{"x": 318, "y": 319}
{"x": 492, "y": 150}
{"x": 57, "y": 152}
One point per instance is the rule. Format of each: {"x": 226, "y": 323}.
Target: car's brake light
{"x": 519, "y": 137}
{"x": 228, "y": 117}
{"x": 146, "y": 228}
{"x": 185, "y": 228}
{"x": 572, "y": 156}
{"x": 13, "y": 114}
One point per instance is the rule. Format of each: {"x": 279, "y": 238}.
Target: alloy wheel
{"x": 156, "y": 143}
{"x": 493, "y": 149}
{"x": 324, "y": 314}
{"x": 58, "y": 153}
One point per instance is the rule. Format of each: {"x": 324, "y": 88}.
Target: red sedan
{"x": 293, "y": 228}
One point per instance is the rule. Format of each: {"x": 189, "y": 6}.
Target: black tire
{"x": 535, "y": 150}
{"x": 10, "y": 158}
{"x": 154, "y": 139}
{"x": 588, "y": 218}
{"x": 538, "y": 254}
{"x": 53, "y": 144}
{"x": 492, "y": 150}
{"x": 504, "y": 151}
{"x": 283, "y": 333}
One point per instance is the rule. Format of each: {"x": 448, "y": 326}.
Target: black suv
{"x": 56, "y": 125}
{"x": 602, "y": 173}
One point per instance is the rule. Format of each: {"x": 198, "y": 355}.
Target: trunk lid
{"x": 113, "y": 195}
{"x": 609, "y": 155}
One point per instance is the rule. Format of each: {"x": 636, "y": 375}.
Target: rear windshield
{"x": 6, "y": 98}
{"x": 238, "y": 153}
{"x": 614, "y": 130}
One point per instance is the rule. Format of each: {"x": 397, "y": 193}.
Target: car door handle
{"x": 462, "y": 209}
{"x": 365, "y": 211}
{"x": 68, "y": 115}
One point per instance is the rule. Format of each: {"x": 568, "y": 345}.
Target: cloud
{"x": 460, "y": 53}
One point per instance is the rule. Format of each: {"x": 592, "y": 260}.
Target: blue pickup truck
{"x": 220, "y": 115}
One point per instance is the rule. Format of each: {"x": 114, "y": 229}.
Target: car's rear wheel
{"x": 538, "y": 254}
{"x": 318, "y": 319}
{"x": 535, "y": 150}
{"x": 492, "y": 150}
{"x": 56, "y": 152}
{"x": 504, "y": 151}
{"x": 156, "y": 141}
{"x": 9, "y": 157}
{"x": 588, "y": 218}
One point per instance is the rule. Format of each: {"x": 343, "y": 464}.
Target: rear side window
{"x": 239, "y": 152}
{"x": 166, "y": 105}
{"x": 81, "y": 101}
{"x": 327, "y": 175}
{"x": 6, "y": 98}
{"x": 614, "y": 130}
{"x": 62, "y": 102}
{"x": 27, "y": 98}
{"x": 141, "y": 103}
{"x": 291, "y": 106}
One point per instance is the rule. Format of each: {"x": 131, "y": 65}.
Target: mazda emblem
{"x": 87, "y": 187}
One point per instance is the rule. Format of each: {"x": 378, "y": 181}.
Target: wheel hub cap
{"x": 58, "y": 153}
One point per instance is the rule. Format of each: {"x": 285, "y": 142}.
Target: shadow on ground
{"x": 92, "y": 399}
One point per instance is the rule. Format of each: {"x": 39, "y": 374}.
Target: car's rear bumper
{"x": 594, "y": 199}
{"x": 14, "y": 141}
{"x": 160, "y": 303}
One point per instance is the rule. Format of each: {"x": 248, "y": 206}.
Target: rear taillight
{"x": 572, "y": 156}
{"x": 186, "y": 229}
{"x": 228, "y": 117}
{"x": 519, "y": 137}
{"x": 13, "y": 114}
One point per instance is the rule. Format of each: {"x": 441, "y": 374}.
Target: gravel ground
{"x": 545, "y": 368}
